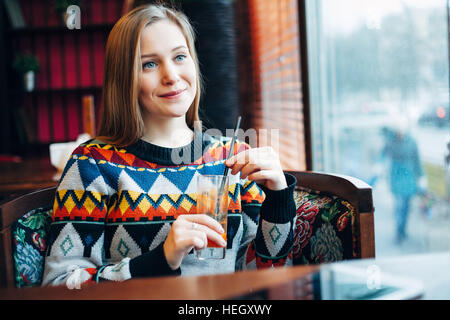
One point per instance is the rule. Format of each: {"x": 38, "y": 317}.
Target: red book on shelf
{"x": 37, "y": 14}
{"x": 113, "y": 11}
{"x": 70, "y": 61}
{"x": 42, "y": 75}
{"x": 97, "y": 12}
{"x": 54, "y": 18}
{"x": 99, "y": 56}
{"x": 55, "y": 62}
{"x": 85, "y": 60}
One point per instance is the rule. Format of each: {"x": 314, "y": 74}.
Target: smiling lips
{"x": 172, "y": 94}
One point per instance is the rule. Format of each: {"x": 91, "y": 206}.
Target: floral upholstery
{"x": 323, "y": 228}
{"x": 29, "y": 246}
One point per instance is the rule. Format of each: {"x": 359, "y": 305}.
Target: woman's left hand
{"x": 261, "y": 165}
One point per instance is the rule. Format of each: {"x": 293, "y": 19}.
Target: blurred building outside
{"x": 373, "y": 65}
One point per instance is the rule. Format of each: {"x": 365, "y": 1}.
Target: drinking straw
{"x": 230, "y": 153}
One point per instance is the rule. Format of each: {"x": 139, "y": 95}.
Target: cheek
{"x": 193, "y": 79}
{"x": 147, "y": 86}
{"x": 190, "y": 73}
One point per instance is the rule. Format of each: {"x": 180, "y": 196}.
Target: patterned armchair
{"x": 24, "y": 222}
{"x": 334, "y": 222}
{"x": 334, "y": 218}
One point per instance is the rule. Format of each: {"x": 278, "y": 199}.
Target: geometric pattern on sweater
{"x": 275, "y": 236}
{"x": 252, "y": 189}
{"x": 157, "y": 194}
{"x": 218, "y": 150}
{"x": 111, "y": 206}
{"x": 71, "y": 244}
{"x": 155, "y": 179}
{"x": 133, "y": 239}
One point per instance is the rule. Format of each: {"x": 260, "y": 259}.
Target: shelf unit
{"x": 71, "y": 67}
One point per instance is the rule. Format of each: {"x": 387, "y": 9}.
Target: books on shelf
{"x": 71, "y": 61}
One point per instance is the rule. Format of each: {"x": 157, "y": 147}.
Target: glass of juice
{"x": 212, "y": 200}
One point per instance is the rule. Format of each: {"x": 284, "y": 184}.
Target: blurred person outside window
{"x": 405, "y": 172}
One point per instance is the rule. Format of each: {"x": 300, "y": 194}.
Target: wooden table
{"x": 21, "y": 177}
{"x": 284, "y": 283}
{"x": 211, "y": 287}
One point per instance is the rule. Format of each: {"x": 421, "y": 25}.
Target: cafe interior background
{"x": 330, "y": 76}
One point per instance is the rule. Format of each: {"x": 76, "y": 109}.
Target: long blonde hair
{"x": 121, "y": 121}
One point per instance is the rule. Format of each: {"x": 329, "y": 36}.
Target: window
{"x": 379, "y": 86}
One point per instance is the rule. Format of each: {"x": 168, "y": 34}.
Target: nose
{"x": 170, "y": 74}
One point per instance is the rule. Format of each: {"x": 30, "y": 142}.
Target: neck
{"x": 169, "y": 133}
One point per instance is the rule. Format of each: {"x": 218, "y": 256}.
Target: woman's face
{"x": 169, "y": 77}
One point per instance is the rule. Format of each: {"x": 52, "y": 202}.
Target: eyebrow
{"x": 154, "y": 54}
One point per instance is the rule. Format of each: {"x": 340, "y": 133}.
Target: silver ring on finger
{"x": 194, "y": 226}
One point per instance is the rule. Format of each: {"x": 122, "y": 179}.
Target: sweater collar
{"x": 171, "y": 156}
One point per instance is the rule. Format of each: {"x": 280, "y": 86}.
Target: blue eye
{"x": 149, "y": 65}
{"x": 180, "y": 57}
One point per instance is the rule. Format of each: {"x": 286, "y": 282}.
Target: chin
{"x": 177, "y": 115}
{"x": 178, "y": 111}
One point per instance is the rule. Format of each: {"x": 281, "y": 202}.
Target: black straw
{"x": 230, "y": 153}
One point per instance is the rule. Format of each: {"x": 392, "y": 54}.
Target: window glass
{"x": 379, "y": 91}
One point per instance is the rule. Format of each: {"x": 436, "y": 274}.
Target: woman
{"x": 125, "y": 206}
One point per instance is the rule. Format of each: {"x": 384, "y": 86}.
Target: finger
{"x": 240, "y": 158}
{"x": 252, "y": 158}
{"x": 260, "y": 157}
{"x": 202, "y": 219}
{"x": 207, "y": 226}
{"x": 235, "y": 164}
{"x": 262, "y": 175}
{"x": 205, "y": 234}
{"x": 191, "y": 240}
{"x": 211, "y": 234}
{"x": 250, "y": 168}
{"x": 237, "y": 167}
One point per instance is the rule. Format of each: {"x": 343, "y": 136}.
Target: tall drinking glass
{"x": 212, "y": 200}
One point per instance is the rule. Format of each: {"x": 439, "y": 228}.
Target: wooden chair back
{"x": 10, "y": 212}
{"x": 357, "y": 193}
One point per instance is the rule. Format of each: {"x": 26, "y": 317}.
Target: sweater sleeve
{"x": 268, "y": 218}
{"x": 76, "y": 240}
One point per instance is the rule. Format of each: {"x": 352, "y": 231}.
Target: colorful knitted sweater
{"x": 114, "y": 208}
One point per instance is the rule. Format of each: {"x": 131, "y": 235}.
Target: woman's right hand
{"x": 190, "y": 231}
